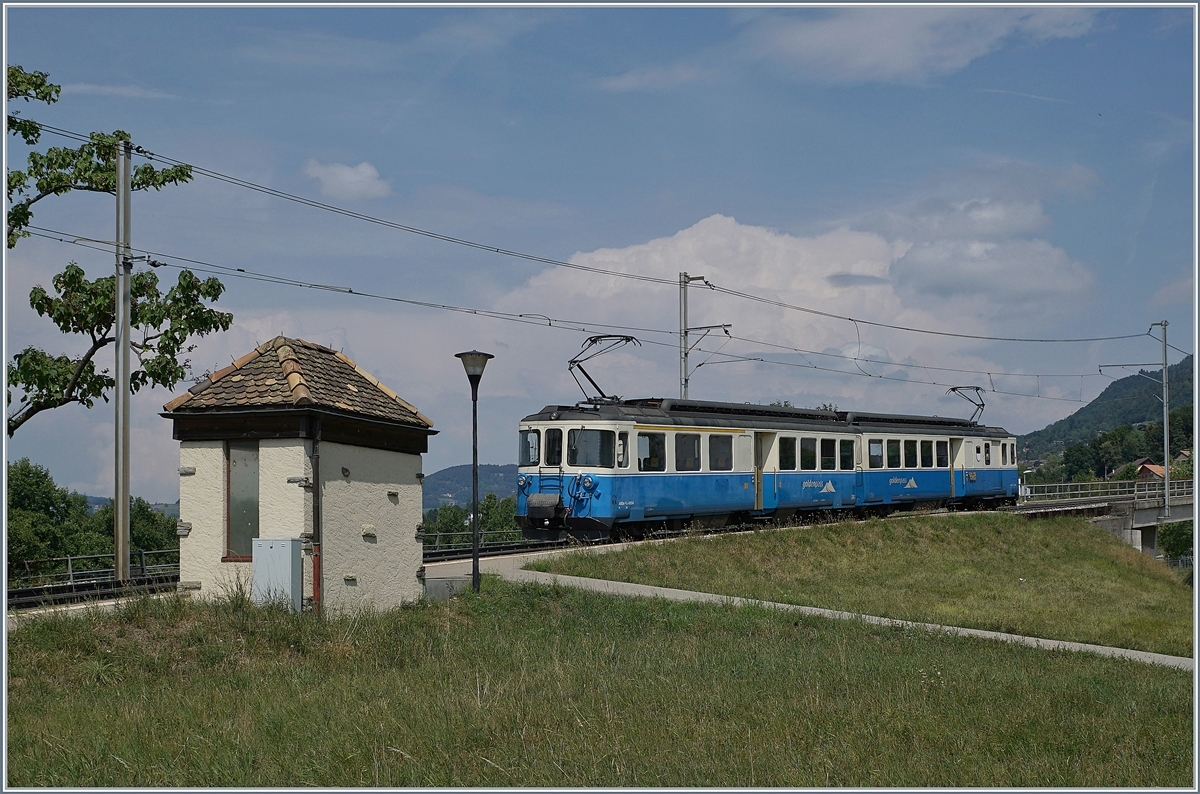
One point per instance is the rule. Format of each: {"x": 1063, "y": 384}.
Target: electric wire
{"x": 527, "y": 319}
{"x": 233, "y": 180}
{"x": 526, "y": 316}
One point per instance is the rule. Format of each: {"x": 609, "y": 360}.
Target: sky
{"x": 998, "y": 172}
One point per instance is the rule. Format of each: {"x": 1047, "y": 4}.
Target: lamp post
{"x": 474, "y": 362}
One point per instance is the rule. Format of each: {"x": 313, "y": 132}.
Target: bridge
{"x": 1129, "y": 509}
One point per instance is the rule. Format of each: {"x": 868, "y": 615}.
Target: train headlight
{"x": 522, "y": 480}
{"x": 588, "y": 482}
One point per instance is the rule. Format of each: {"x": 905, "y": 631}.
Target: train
{"x": 621, "y": 468}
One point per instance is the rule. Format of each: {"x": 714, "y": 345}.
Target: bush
{"x": 1176, "y": 540}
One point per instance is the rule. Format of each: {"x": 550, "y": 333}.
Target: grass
{"x": 548, "y": 686}
{"x": 1061, "y": 579}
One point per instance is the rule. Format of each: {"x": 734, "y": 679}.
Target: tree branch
{"x": 83, "y": 362}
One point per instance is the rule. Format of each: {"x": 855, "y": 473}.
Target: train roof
{"x": 724, "y": 414}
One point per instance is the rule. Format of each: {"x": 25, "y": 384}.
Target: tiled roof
{"x": 293, "y": 373}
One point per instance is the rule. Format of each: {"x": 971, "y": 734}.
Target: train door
{"x": 955, "y": 463}
{"x": 766, "y": 487}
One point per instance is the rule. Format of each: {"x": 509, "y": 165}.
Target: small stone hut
{"x": 294, "y": 440}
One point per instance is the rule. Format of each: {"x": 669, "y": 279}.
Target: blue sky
{"x": 991, "y": 171}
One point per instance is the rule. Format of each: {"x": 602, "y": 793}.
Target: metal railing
{"x": 83, "y": 568}
{"x": 451, "y": 545}
{"x": 1107, "y": 489}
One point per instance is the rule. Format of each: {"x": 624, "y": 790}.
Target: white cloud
{"x": 936, "y": 219}
{"x": 1180, "y": 291}
{"x": 348, "y": 182}
{"x": 653, "y": 79}
{"x": 126, "y": 91}
{"x": 909, "y": 45}
{"x": 1028, "y": 276}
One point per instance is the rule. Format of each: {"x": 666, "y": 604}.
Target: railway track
{"x": 23, "y": 598}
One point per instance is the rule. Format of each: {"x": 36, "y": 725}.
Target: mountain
{"x": 453, "y": 485}
{"x": 1127, "y": 401}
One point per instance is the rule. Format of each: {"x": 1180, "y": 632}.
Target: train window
{"x": 787, "y": 453}
{"x": 875, "y": 453}
{"x": 893, "y": 453}
{"x": 808, "y": 454}
{"x": 1004, "y": 454}
{"x": 553, "y": 447}
{"x": 847, "y": 455}
{"x": 926, "y": 454}
{"x": 1012, "y": 456}
{"x": 652, "y": 451}
{"x": 828, "y": 454}
{"x": 977, "y": 457}
{"x": 987, "y": 454}
{"x": 943, "y": 454}
{"x": 720, "y": 453}
{"x": 910, "y": 453}
{"x": 623, "y": 450}
{"x": 687, "y": 452}
{"x": 590, "y": 448}
{"x": 529, "y": 452}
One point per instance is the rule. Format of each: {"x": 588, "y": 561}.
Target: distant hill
{"x": 1127, "y": 401}
{"x": 453, "y": 485}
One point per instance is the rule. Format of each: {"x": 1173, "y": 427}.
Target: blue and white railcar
{"x": 624, "y": 467}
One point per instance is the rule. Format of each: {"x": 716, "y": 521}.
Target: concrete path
{"x": 511, "y": 569}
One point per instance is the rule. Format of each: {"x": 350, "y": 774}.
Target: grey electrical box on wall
{"x": 276, "y": 573}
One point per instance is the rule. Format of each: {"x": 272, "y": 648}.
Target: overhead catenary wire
{"x": 539, "y": 320}
{"x": 534, "y": 318}
{"x": 238, "y": 181}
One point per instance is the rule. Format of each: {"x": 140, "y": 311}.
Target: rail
{"x": 1109, "y": 489}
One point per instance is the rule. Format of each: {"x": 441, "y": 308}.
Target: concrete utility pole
{"x": 1166, "y": 401}
{"x": 121, "y": 401}
{"x": 684, "y": 280}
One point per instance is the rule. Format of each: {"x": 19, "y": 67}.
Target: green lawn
{"x": 549, "y": 686}
{"x": 1059, "y": 579}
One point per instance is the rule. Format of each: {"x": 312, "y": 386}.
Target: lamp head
{"x": 474, "y": 362}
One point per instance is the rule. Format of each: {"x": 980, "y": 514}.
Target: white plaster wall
{"x": 384, "y": 569}
{"x": 283, "y": 508}
{"x": 202, "y": 504}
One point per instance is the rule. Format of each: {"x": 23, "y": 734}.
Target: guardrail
{"x": 1107, "y": 489}
{"x": 78, "y": 569}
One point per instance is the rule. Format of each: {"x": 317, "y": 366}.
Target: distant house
{"x": 1184, "y": 455}
{"x": 1140, "y": 461}
{"x": 296, "y": 441}
{"x": 1149, "y": 472}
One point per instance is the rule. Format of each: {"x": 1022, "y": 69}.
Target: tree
{"x": 498, "y": 515}
{"x": 59, "y": 170}
{"x": 164, "y": 321}
{"x": 451, "y": 521}
{"x": 1079, "y": 463}
{"x": 148, "y": 530}
{"x": 42, "y": 517}
{"x": 1177, "y": 539}
{"x": 46, "y": 521}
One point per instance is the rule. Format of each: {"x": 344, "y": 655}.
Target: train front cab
{"x": 566, "y": 478}
{"x": 986, "y": 471}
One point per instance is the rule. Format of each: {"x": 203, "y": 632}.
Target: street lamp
{"x": 474, "y": 362}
